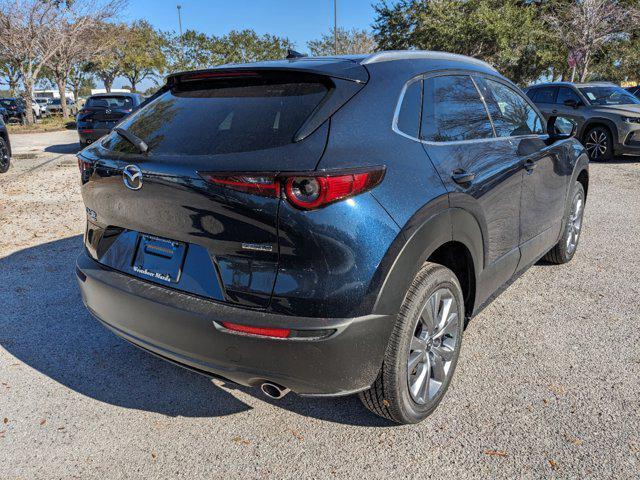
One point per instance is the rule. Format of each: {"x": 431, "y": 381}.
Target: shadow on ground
{"x": 44, "y": 325}
{"x": 69, "y": 148}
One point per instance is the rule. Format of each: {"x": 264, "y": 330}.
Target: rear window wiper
{"x": 132, "y": 139}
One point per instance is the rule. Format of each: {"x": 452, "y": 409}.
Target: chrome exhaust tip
{"x": 273, "y": 390}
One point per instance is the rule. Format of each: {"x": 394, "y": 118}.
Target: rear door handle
{"x": 529, "y": 165}
{"x": 461, "y": 176}
{"x": 554, "y": 111}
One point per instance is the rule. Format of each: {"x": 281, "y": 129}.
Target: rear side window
{"x": 543, "y": 95}
{"x": 511, "y": 113}
{"x": 453, "y": 110}
{"x": 224, "y": 116}
{"x": 110, "y": 102}
{"x": 409, "y": 114}
{"x": 565, "y": 94}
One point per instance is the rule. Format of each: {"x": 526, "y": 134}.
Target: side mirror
{"x": 572, "y": 103}
{"x": 560, "y": 128}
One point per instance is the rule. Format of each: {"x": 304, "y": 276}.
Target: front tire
{"x": 423, "y": 349}
{"x": 566, "y": 247}
{"x": 599, "y": 143}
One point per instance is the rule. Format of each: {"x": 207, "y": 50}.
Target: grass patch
{"x": 49, "y": 124}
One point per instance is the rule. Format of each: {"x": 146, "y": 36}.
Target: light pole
{"x": 179, "y": 7}
{"x": 335, "y": 27}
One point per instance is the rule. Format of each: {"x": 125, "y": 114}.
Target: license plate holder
{"x": 159, "y": 258}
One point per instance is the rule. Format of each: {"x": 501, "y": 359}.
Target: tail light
{"x": 306, "y": 191}
{"x": 83, "y": 166}
{"x": 84, "y": 112}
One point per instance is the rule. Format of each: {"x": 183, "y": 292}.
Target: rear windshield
{"x": 110, "y": 102}
{"x": 8, "y": 103}
{"x": 223, "y": 116}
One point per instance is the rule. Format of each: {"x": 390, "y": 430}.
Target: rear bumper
{"x": 181, "y": 328}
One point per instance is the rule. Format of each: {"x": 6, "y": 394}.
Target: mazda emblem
{"x": 132, "y": 177}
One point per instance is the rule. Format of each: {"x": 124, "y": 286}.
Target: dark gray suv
{"x": 607, "y": 116}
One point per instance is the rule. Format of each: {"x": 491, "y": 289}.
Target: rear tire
{"x": 566, "y": 247}
{"x": 5, "y": 159}
{"x": 599, "y": 143}
{"x": 422, "y": 353}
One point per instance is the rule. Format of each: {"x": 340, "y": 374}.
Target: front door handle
{"x": 461, "y": 176}
{"x": 529, "y": 165}
{"x": 554, "y": 111}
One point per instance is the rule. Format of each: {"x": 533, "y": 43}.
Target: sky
{"x": 300, "y": 20}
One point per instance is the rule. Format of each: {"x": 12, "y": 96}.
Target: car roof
{"x": 114, "y": 94}
{"x": 573, "y": 84}
{"x": 351, "y": 67}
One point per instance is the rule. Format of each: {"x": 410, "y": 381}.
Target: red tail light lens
{"x": 305, "y": 191}
{"x": 84, "y": 112}
{"x": 266, "y": 332}
{"x": 83, "y": 166}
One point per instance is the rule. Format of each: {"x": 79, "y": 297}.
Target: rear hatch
{"x": 105, "y": 111}
{"x": 159, "y": 215}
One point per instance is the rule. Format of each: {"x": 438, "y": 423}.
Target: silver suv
{"x": 607, "y": 116}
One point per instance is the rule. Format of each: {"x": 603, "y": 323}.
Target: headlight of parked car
{"x": 631, "y": 119}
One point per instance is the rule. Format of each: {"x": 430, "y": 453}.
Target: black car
{"x": 325, "y": 225}
{"x": 15, "y": 109}
{"x": 5, "y": 148}
{"x": 102, "y": 112}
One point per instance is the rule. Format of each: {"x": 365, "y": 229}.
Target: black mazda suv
{"x": 325, "y": 225}
{"x": 101, "y": 112}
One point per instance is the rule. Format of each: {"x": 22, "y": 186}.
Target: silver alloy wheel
{"x": 575, "y": 223}
{"x": 433, "y": 345}
{"x": 596, "y": 143}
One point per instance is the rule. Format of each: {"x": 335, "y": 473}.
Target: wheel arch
{"x": 599, "y": 122}
{"x": 451, "y": 237}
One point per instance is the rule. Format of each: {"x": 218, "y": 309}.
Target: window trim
{"x": 469, "y": 73}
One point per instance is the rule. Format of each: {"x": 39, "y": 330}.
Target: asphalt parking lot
{"x": 548, "y": 383}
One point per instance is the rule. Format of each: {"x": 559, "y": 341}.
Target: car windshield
{"x": 110, "y": 102}
{"x": 7, "y": 102}
{"x": 41, "y": 100}
{"x": 55, "y": 101}
{"x": 608, "y": 96}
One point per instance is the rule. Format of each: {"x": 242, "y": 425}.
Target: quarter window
{"x": 565, "y": 94}
{"x": 511, "y": 113}
{"x": 409, "y": 115}
{"x": 453, "y": 110}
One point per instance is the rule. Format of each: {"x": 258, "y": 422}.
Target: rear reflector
{"x": 265, "y": 332}
{"x": 307, "y": 191}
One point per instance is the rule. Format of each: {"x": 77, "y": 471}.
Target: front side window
{"x": 409, "y": 114}
{"x": 608, "y": 95}
{"x": 511, "y": 113}
{"x": 453, "y": 110}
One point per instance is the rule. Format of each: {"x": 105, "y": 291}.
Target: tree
{"x": 107, "y": 64}
{"x": 588, "y": 26}
{"x": 349, "y": 42}
{"x": 80, "y": 80}
{"x": 143, "y": 55}
{"x": 191, "y": 51}
{"x": 28, "y": 39}
{"x": 10, "y": 71}
{"x": 247, "y": 46}
{"x": 507, "y": 34}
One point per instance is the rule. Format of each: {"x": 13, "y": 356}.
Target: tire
{"x": 599, "y": 143}
{"x": 566, "y": 247}
{"x": 5, "y": 159}
{"x": 390, "y": 395}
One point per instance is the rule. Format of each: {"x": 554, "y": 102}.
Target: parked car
{"x": 5, "y": 148}
{"x": 43, "y": 104}
{"x": 607, "y": 116}
{"x": 55, "y": 107}
{"x": 325, "y": 225}
{"x": 102, "y": 112}
{"x": 15, "y": 109}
